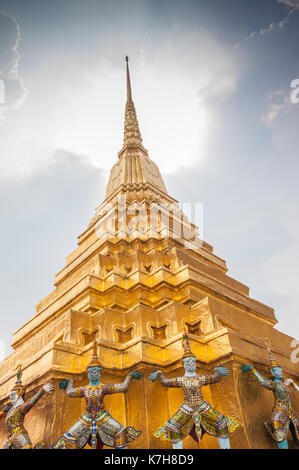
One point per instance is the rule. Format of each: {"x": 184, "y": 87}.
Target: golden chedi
{"x": 139, "y": 277}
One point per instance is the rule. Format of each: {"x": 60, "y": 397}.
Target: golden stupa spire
{"x": 132, "y": 136}
{"x": 129, "y": 90}
{"x": 134, "y": 166}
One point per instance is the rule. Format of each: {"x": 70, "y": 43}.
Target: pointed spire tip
{"x": 129, "y": 91}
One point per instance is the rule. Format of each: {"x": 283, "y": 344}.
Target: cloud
{"x": 221, "y": 88}
{"x": 290, "y": 3}
{"x": 41, "y": 215}
{"x": 278, "y": 102}
{"x": 181, "y": 83}
{"x": 281, "y": 119}
{"x": 13, "y": 91}
{"x": 77, "y": 101}
{"x": 293, "y": 6}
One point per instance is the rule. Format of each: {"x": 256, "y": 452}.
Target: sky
{"x": 212, "y": 86}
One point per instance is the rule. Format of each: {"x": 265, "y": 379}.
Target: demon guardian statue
{"x": 195, "y": 416}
